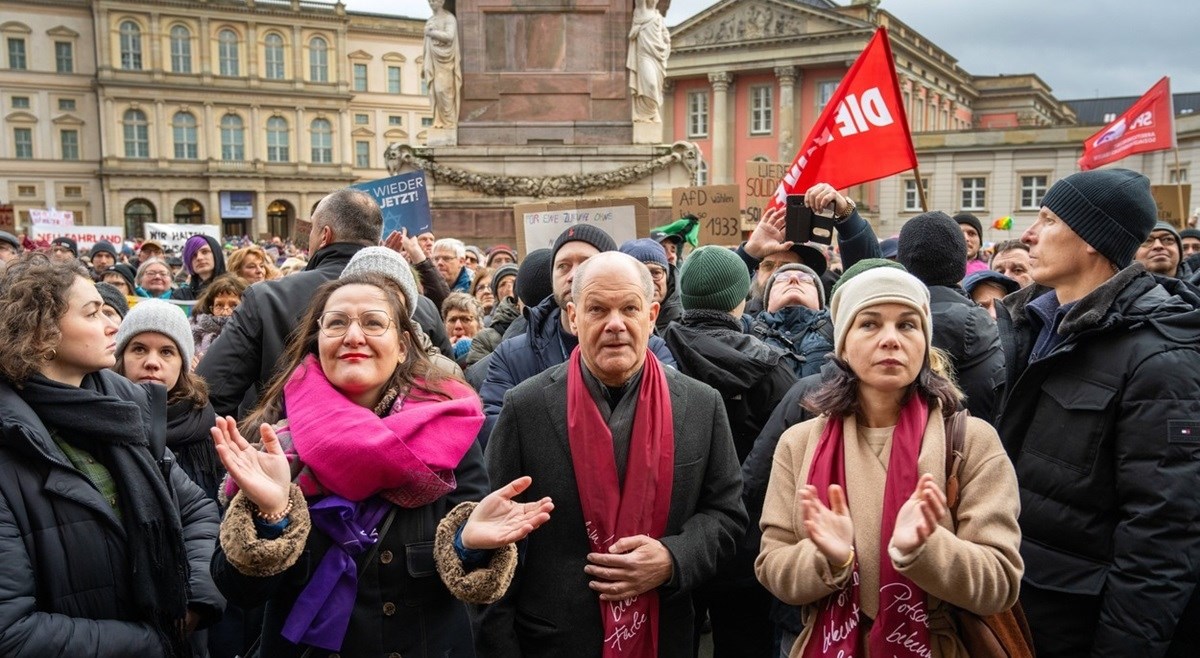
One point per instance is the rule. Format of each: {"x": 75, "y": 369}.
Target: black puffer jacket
{"x": 966, "y": 331}
{"x": 750, "y": 375}
{"x": 1104, "y": 432}
{"x": 64, "y": 574}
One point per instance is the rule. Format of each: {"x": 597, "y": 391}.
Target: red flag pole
{"x": 920, "y": 189}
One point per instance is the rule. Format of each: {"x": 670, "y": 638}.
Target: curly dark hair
{"x": 304, "y": 341}
{"x": 226, "y": 284}
{"x": 33, "y": 299}
{"x": 838, "y": 393}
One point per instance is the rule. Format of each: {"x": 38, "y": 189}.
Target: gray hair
{"x": 352, "y": 214}
{"x": 460, "y": 249}
{"x": 141, "y": 270}
{"x": 585, "y": 268}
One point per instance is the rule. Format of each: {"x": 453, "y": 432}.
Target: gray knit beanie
{"x": 1111, "y": 209}
{"x": 503, "y": 272}
{"x": 795, "y": 267}
{"x": 713, "y": 278}
{"x": 381, "y": 260}
{"x": 160, "y": 317}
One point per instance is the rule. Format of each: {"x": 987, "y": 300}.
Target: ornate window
{"x": 318, "y": 60}
{"x": 131, "y": 46}
{"x": 181, "y": 49}
{"x": 233, "y": 138}
{"x": 227, "y": 52}
{"x": 322, "y": 141}
{"x": 274, "y": 57}
{"x": 137, "y": 134}
{"x": 183, "y": 127}
{"x": 278, "y": 148}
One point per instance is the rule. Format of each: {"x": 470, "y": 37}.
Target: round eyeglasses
{"x": 335, "y": 324}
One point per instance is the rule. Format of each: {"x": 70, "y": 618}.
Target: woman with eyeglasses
{"x": 154, "y": 279}
{"x": 355, "y": 521}
{"x": 213, "y": 310}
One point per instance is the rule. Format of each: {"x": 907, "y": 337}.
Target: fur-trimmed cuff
{"x": 255, "y": 556}
{"x": 484, "y": 585}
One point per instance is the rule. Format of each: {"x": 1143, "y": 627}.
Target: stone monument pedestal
{"x": 441, "y": 136}
{"x": 647, "y": 132}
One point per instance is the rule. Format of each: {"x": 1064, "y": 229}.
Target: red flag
{"x": 861, "y": 135}
{"x": 1148, "y": 125}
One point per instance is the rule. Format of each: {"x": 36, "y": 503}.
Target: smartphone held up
{"x": 804, "y": 225}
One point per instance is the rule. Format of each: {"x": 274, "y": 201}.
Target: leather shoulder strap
{"x": 956, "y": 439}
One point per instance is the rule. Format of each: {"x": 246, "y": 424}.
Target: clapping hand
{"x": 264, "y": 475}
{"x": 768, "y": 236}
{"x": 919, "y": 515}
{"x": 404, "y": 244}
{"x": 498, "y": 520}
{"x": 830, "y": 528}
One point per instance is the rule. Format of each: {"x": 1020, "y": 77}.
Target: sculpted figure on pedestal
{"x": 442, "y": 67}
{"x": 649, "y": 47}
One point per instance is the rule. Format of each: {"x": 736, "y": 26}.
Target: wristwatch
{"x": 850, "y": 206}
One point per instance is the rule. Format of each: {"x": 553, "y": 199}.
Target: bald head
{"x": 351, "y": 215}
{"x": 612, "y": 312}
{"x": 616, "y": 263}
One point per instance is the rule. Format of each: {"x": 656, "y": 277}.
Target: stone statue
{"x": 442, "y": 68}
{"x": 649, "y": 47}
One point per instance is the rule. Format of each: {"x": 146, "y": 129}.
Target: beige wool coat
{"x": 977, "y": 568}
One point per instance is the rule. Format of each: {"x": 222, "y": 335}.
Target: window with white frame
{"x": 702, "y": 173}
{"x": 233, "y": 138}
{"x": 825, "y": 91}
{"x": 131, "y": 45}
{"x": 274, "y": 56}
{"x": 697, "y": 113}
{"x": 64, "y": 57}
{"x": 426, "y": 122}
{"x": 183, "y": 133}
{"x": 66, "y": 105}
{"x": 360, "y": 77}
{"x": 761, "y": 109}
{"x": 395, "y": 120}
{"x": 362, "y": 119}
{"x": 228, "y": 57}
{"x": 68, "y": 141}
{"x": 16, "y": 54}
{"x": 912, "y": 197}
{"x": 1177, "y": 175}
{"x": 393, "y": 77}
{"x": 318, "y": 60}
{"x": 23, "y": 143}
{"x": 362, "y": 154}
{"x": 278, "y": 144}
{"x": 322, "y": 141}
{"x": 136, "y": 131}
{"x": 974, "y": 193}
{"x": 181, "y": 49}
{"x": 1033, "y": 188}
{"x": 20, "y": 102}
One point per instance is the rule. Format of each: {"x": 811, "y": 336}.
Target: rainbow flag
{"x": 1003, "y": 223}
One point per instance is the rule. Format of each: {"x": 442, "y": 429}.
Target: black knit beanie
{"x": 533, "y": 277}
{"x": 1110, "y": 209}
{"x": 970, "y": 220}
{"x": 584, "y": 233}
{"x": 933, "y": 249}
{"x": 501, "y": 273}
{"x": 1190, "y": 233}
{"x": 113, "y": 297}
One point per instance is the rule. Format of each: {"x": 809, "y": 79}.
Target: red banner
{"x": 1148, "y": 125}
{"x": 861, "y": 135}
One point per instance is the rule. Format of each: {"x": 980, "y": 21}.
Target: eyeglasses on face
{"x": 156, "y": 274}
{"x": 657, "y": 273}
{"x": 335, "y": 324}
{"x": 798, "y": 277}
{"x": 1166, "y": 240}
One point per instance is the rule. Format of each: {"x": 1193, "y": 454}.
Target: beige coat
{"x": 978, "y": 568}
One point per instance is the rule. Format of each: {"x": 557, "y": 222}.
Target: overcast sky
{"x": 1081, "y": 48}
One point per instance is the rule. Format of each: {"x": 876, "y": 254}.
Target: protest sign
{"x": 716, "y": 206}
{"x": 175, "y": 235}
{"x": 46, "y": 217}
{"x": 1168, "y": 198}
{"x": 84, "y": 236}
{"x": 404, "y": 201}
{"x": 762, "y": 178}
{"x": 540, "y": 224}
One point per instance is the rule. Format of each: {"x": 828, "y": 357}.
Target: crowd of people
{"x": 407, "y": 445}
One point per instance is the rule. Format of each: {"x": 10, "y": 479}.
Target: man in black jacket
{"x": 932, "y": 248}
{"x": 751, "y": 377}
{"x": 245, "y": 356}
{"x": 1101, "y": 418}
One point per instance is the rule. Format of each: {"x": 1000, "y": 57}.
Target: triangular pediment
{"x": 360, "y": 54}
{"x": 67, "y": 120}
{"x": 63, "y": 31}
{"x": 731, "y": 22}
{"x": 362, "y": 132}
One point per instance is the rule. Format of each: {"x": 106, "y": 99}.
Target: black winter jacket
{"x": 1104, "y": 432}
{"x": 402, "y": 606}
{"x": 966, "y": 331}
{"x": 246, "y": 354}
{"x": 64, "y": 572}
{"x": 543, "y": 345}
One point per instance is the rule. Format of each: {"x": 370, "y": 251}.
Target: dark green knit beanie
{"x": 713, "y": 278}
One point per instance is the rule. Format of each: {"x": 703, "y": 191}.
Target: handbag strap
{"x": 956, "y": 439}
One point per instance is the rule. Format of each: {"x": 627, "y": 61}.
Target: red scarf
{"x": 901, "y": 626}
{"x": 640, "y": 507}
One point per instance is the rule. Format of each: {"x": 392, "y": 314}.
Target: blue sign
{"x": 404, "y": 201}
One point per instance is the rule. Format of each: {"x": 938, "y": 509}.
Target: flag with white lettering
{"x": 1148, "y": 125}
{"x": 861, "y": 135}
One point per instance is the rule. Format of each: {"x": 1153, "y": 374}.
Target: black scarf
{"x": 188, "y": 436}
{"x": 95, "y": 418}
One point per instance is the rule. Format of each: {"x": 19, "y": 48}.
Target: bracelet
{"x": 278, "y": 516}
{"x": 849, "y": 561}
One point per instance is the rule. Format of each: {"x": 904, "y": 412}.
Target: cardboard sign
{"x": 51, "y": 217}
{"x": 84, "y": 236}
{"x": 8, "y": 218}
{"x": 540, "y": 224}
{"x": 717, "y": 208}
{"x": 1167, "y": 198}
{"x": 762, "y": 178}
{"x": 175, "y": 235}
{"x": 404, "y": 201}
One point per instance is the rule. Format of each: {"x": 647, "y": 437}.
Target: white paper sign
{"x": 51, "y": 217}
{"x": 174, "y": 235}
{"x": 84, "y": 236}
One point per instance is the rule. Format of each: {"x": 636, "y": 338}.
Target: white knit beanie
{"x": 382, "y": 260}
{"x": 160, "y": 317}
{"x": 880, "y": 285}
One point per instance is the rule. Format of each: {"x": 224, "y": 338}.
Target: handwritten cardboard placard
{"x": 539, "y": 224}
{"x": 762, "y": 178}
{"x": 404, "y": 202}
{"x": 84, "y": 236}
{"x": 717, "y": 208}
{"x": 46, "y": 217}
{"x": 175, "y": 235}
{"x": 1167, "y": 198}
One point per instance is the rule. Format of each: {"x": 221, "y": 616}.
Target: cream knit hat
{"x": 880, "y": 285}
